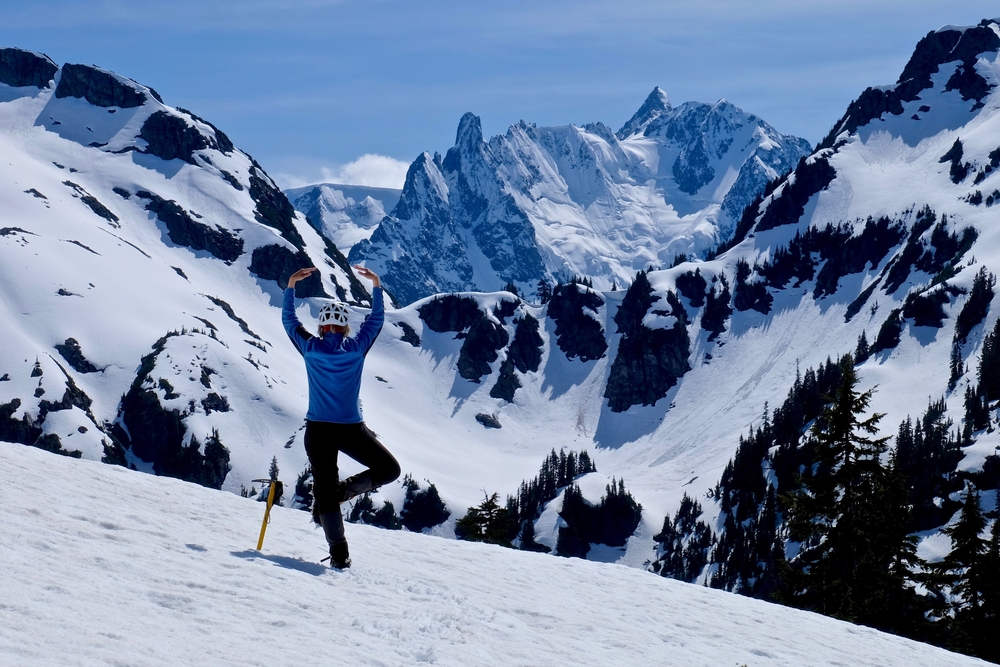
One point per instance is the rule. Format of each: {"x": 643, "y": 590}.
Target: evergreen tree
{"x": 543, "y": 291}
{"x": 489, "y": 522}
{"x": 422, "y": 508}
{"x": 682, "y": 544}
{"x": 849, "y": 518}
{"x": 965, "y": 566}
{"x": 863, "y": 350}
{"x": 989, "y": 648}
{"x": 956, "y": 365}
{"x": 272, "y": 475}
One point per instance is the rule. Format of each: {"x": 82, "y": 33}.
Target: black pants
{"x": 323, "y": 442}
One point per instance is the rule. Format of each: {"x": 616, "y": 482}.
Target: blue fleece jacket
{"x": 334, "y": 362}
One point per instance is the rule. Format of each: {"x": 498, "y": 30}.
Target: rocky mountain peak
{"x": 656, "y": 104}
{"x": 20, "y": 68}
{"x": 954, "y": 48}
{"x": 469, "y": 135}
{"x": 101, "y": 87}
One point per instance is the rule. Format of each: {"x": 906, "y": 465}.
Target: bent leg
{"x": 363, "y": 446}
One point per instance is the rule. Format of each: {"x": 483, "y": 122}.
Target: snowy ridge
{"x": 553, "y": 202}
{"x": 173, "y": 571}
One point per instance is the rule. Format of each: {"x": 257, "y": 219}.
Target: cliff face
{"x": 557, "y": 202}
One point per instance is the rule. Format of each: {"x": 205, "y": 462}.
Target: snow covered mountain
{"x": 141, "y": 260}
{"x": 345, "y": 214}
{"x": 554, "y": 202}
{"x": 173, "y": 572}
{"x": 882, "y": 232}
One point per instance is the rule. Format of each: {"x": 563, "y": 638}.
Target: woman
{"x": 334, "y": 361}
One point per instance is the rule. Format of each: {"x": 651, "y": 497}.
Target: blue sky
{"x": 310, "y": 86}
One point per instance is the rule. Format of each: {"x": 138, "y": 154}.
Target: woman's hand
{"x": 365, "y": 272}
{"x": 300, "y": 275}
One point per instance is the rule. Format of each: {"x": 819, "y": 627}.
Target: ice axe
{"x": 274, "y": 484}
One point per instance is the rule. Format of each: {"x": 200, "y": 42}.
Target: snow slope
{"x": 108, "y": 566}
{"x": 553, "y": 202}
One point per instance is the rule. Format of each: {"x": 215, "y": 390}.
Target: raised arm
{"x": 372, "y": 325}
{"x": 289, "y": 319}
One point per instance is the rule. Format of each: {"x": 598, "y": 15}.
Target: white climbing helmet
{"x": 334, "y": 313}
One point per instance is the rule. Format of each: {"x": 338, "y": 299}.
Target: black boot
{"x": 340, "y": 557}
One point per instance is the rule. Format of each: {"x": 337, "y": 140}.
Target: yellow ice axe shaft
{"x": 267, "y": 515}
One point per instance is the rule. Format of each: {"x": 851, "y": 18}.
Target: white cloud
{"x": 371, "y": 169}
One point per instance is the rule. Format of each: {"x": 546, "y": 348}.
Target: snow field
{"x": 105, "y": 566}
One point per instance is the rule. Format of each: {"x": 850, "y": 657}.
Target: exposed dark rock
{"x": 35, "y": 193}
{"x": 228, "y": 310}
{"x": 99, "y": 87}
{"x": 168, "y": 389}
{"x": 787, "y": 207}
{"x": 24, "y": 68}
{"x": 80, "y": 245}
{"x": 156, "y": 435}
{"x": 691, "y": 169}
{"x": 95, "y": 205}
{"x": 935, "y": 49}
{"x": 10, "y": 231}
{"x": 186, "y": 231}
{"x": 273, "y": 208}
{"x": 121, "y": 192}
{"x": 649, "y": 361}
{"x": 450, "y": 313}
{"x": 215, "y": 403}
{"x": 278, "y": 263}
{"x": 71, "y": 352}
{"x": 73, "y": 396}
{"x": 62, "y": 291}
{"x": 171, "y": 137}
{"x": 359, "y": 293}
{"x": 5, "y": 378}
{"x": 206, "y": 378}
{"x": 409, "y": 335}
{"x": 36, "y": 370}
{"x": 232, "y": 180}
{"x": 179, "y": 272}
{"x": 28, "y": 431}
{"x": 489, "y": 421}
{"x": 23, "y": 431}
{"x": 222, "y": 142}
{"x": 577, "y": 333}
{"x": 692, "y": 285}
